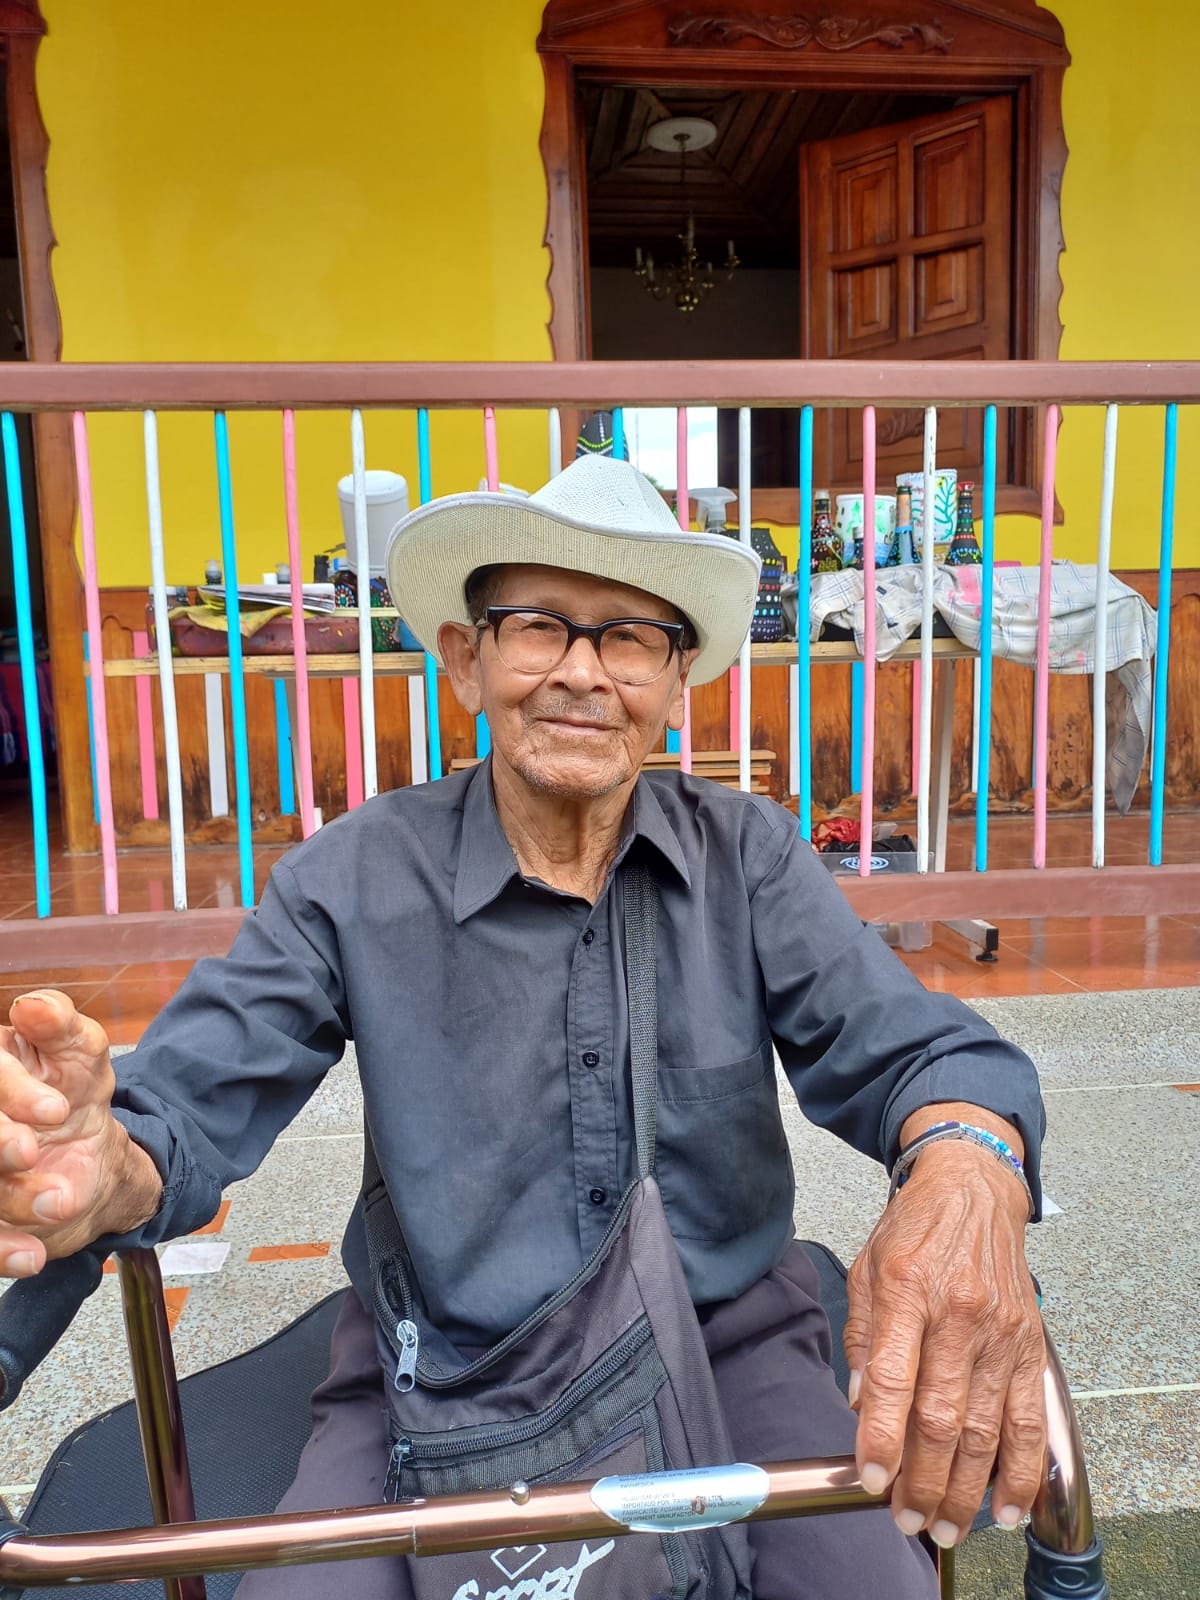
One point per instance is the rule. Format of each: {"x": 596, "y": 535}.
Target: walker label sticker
{"x": 678, "y": 1502}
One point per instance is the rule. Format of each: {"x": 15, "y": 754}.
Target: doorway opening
{"x": 873, "y": 224}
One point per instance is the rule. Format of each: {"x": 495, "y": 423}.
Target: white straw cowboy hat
{"x": 599, "y": 516}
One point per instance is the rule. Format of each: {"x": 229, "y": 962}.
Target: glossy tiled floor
{"x": 1045, "y": 956}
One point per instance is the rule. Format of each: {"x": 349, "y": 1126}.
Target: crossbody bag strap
{"x": 641, "y": 976}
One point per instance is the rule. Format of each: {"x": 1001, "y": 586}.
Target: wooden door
{"x": 906, "y": 241}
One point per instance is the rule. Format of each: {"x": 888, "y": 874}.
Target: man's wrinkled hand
{"x": 67, "y": 1168}
{"x": 945, "y": 1347}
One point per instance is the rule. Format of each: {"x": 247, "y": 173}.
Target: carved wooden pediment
{"x": 20, "y": 17}
{"x": 1017, "y": 30}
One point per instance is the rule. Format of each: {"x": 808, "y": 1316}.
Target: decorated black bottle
{"x": 964, "y": 550}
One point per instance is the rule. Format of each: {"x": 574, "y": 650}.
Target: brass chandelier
{"x": 689, "y": 280}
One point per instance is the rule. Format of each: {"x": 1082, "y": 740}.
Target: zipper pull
{"x": 406, "y": 1366}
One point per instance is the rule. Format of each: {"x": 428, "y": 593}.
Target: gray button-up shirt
{"x": 490, "y": 1018}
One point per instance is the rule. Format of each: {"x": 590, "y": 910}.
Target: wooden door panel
{"x": 906, "y": 235}
{"x": 948, "y": 182}
{"x": 867, "y": 202}
{"x": 866, "y": 299}
{"x": 948, "y": 290}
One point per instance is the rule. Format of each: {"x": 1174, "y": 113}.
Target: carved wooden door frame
{"x": 1010, "y": 47}
{"x": 22, "y": 29}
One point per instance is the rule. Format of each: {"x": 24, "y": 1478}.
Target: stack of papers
{"x": 318, "y": 597}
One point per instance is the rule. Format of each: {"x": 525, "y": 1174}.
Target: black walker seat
{"x": 97, "y": 1478}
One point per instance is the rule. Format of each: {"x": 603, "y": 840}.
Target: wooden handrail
{"x": 534, "y": 385}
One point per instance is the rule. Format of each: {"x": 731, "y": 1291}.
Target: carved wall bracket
{"x": 796, "y": 33}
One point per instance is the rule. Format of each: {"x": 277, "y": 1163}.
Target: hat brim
{"x": 712, "y": 579}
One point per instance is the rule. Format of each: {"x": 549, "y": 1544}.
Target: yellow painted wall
{"x": 290, "y": 181}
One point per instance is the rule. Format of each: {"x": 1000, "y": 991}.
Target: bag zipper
{"x": 409, "y": 1341}
{"x": 507, "y": 1434}
{"x": 409, "y": 1359}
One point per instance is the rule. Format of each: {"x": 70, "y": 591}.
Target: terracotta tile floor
{"x": 1045, "y": 956}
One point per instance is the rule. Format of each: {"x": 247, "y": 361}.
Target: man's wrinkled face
{"x": 573, "y": 730}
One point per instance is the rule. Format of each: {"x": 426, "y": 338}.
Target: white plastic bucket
{"x": 387, "y": 502}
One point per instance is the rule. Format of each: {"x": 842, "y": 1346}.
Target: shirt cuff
{"x": 972, "y": 1081}
{"x": 190, "y": 1195}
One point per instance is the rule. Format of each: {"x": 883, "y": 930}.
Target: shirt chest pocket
{"x": 722, "y": 1162}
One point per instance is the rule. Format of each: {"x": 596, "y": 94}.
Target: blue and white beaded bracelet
{"x": 960, "y": 1130}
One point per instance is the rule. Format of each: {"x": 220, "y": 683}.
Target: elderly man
{"x": 468, "y": 936}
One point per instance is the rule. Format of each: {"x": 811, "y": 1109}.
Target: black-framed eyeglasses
{"x": 632, "y": 650}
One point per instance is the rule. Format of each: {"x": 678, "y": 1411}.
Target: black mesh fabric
{"x": 246, "y": 1422}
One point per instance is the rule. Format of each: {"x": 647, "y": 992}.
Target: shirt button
{"x": 597, "y": 1196}
{"x": 590, "y": 1059}
{"x": 589, "y": 936}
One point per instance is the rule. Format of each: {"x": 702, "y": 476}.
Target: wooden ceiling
{"x": 744, "y": 186}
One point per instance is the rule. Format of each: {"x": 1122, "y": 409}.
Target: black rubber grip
{"x": 36, "y": 1312}
{"x": 1052, "y": 1575}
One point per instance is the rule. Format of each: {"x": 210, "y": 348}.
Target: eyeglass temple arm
{"x": 1063, "y": 1559}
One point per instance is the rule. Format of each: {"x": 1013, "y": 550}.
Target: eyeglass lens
{"x": 635, "y": 652}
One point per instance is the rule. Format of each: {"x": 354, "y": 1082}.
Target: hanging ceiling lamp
{"x": 690, "y": 279}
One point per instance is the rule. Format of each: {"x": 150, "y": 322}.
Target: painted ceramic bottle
{"x": 766, "y": 626}
{"x": 964, "y": 551}
{"x": 905, "y": 555}
{"x": 826, "y": 546}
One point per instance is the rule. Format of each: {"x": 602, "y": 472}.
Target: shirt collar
{"x": 486, "y": 861}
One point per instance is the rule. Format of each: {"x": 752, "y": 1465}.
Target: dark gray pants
{"x": 769, "y": 1351}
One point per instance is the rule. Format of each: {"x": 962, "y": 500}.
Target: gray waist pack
{"x": 608, "y": 1378}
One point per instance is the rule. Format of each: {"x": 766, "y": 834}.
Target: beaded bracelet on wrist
{"x": 960, "y": 1130}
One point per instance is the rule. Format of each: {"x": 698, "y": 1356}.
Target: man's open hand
{"x": 68, "y": 1171}
{"x": 945, "y": 1347}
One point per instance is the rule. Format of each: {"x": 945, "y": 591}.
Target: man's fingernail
{"x": 10, "y": 1156}
{"x": 20, "y": 1264}
{"x": 1010, "y": 1517}
{"x": 909, "y": 1522}
{"x": 855, "y": 1388}
{"x": 875, "y": 1478}
{"x": 49, "y": 1109}
{"x": 48, "y": 1205}
{"x": 944, "y": 1535}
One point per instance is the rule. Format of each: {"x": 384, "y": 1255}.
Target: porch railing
{"x": 81, "y": 390}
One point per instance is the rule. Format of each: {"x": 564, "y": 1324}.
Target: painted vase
{"x": 826, "y": 546}
{"x": 850, "y": 528}
{"x": 766, "y": 627}
{"x": 964, "y": 550}
{"x": 945, "y": 506}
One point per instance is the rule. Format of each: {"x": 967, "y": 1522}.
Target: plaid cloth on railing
{"x": 837, "y": 598}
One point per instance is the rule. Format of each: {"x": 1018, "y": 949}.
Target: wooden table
{"x": 947, "y": 653}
